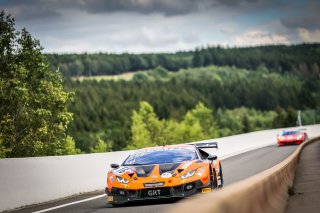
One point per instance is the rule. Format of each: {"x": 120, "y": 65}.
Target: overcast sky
{"x": 138, "y": 26}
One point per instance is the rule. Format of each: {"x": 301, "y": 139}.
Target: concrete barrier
{"x": 27, "y": 181}
{"x": 266, "y": 192}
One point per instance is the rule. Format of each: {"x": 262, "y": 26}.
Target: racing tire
{"x": 214, "y": 182}
{"x": 221, "y": 175}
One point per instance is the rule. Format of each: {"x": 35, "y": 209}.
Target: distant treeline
{"x": 241, "y": 101}
{"x": 303, "y": 58}
{"x": 113, "y": 64}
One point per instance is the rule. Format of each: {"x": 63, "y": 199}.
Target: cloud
{"x": 29, "y": 9}
{"x": 116, "y": 33}
{"x": 309, "y": 36}
{"x": 304, "y": 16}
{"x": 258, "y": 37}
{"x": 162, "y": 25}
{"x": 309, "y": 21}
{"x": 33, "y": 9}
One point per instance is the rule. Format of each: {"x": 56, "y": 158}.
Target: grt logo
{"x": 154, "y": 192}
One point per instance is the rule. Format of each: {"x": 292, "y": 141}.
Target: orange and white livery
{"x": 172, "y": 171}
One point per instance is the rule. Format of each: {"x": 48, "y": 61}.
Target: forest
{"x": 246, "y": 89}
{"x": 239, "y": 100}
{"x": 278, "y": 58}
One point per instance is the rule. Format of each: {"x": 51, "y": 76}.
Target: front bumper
{"x": 290, "y": 142}
{"x": 120, "y": 195}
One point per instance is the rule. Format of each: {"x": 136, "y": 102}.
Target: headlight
{"x": 122, "y": 180}
{"x": 299, "y": 137}
{"x": 189, "y": 174}
{"x": 280, "y": 138}
{"x": 200, "y": 171}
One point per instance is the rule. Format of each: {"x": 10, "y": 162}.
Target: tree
{"x": 33, "y": 113}
{"x": 70, "y": 147}
{"x": 140, "y": 134}
{"x": 246, "y": 123}
{"x": 190, "y": 129}
{"x": 3, "y": 150}
{"x": 205, "y": 118}
{"x": 100, "y": 146}
{"x": 197, "y": 60}
{"x": 207, "y": 59}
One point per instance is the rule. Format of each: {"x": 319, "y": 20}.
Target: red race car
{"x": 294, "y": 137}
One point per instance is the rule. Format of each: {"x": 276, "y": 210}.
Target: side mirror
{"x": 114, "y": 165}
{"x": 212, "y": 157}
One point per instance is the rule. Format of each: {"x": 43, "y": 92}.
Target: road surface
{"x": 234, "y": 169}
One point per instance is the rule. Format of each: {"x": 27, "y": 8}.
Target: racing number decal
{"x": 120, "y": 171}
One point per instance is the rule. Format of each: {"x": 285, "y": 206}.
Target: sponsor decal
{"x": 166, "y": 175}
{"x": 217, "y": 169}
{"x": 163, "y": 148}
{"x": 152, "y": 193}
{"x": 158, "y": 184}
{"x": 155, "y": 192}
{"x": 120, "y": 171}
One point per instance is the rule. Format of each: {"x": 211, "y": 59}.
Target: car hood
{"x": 291, "y": 136}
{"x": 164, "y": 170}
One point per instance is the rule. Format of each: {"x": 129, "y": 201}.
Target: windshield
{"x": 290, "y": 133}
{"x": 160, "y": 156}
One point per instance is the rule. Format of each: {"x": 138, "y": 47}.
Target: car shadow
{"x": 145, "y": 203}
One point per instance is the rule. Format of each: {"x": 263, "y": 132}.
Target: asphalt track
{"x": 234, "y": 169}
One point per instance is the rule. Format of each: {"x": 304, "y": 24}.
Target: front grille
{"x": 178, "y": 189}
{"x": 124, "y": 192}
{"x": 121, "y": 192}
{"x": 132, "y": 192}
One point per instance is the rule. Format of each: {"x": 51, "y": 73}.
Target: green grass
{"x": 125, "y": 76}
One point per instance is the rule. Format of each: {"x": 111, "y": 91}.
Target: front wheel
{"x": 214, "y": 182}
{"x": 217, "y": 181}
{"x": 220, "y": 178}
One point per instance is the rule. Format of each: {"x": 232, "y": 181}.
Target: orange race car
{"x": 172, "y": 171}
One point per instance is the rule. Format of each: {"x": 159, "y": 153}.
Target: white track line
{"x": 69, "y": 204}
